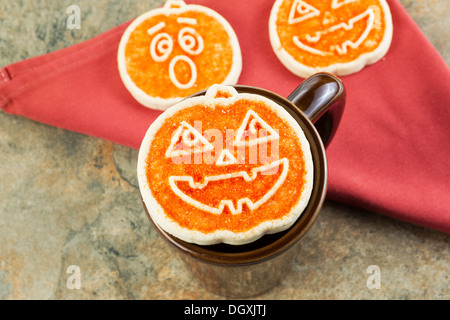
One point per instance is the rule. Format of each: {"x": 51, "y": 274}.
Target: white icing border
{"x": 339, "y": 69}
{"x": 161, "y": 103}
{"x": 157, "y": 212}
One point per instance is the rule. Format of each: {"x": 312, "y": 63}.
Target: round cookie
{"x": 175, "y": 51}
{"x": 225, "y": 167}
{"x": 335, "y": 36}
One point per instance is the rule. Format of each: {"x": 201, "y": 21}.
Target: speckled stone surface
{"x": 69, "y": 199}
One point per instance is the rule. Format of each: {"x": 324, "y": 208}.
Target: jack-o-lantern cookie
{"x": 172, "y": 52}
{"x": 225, "y": 167}
{"x": 336, "y": 36}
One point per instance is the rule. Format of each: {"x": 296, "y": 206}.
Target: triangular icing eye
{"x": 249, "y": 132}
{"x": 187, "y": 140}
{"x": 301, "y": 11}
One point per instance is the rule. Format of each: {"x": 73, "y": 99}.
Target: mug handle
{"x": 321, "y": 98}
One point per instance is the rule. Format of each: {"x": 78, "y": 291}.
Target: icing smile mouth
{"x": 368, "y": 15}
{"x": 267, "y": 177}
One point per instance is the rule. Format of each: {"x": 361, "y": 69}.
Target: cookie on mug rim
{"x": 204, "y": 179}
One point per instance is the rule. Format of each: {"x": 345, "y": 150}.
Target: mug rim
{"x": 288, "y": 237}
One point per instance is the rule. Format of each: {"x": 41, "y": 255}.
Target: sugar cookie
{"x": 225, "y": 167}
{"x": 175, "y": 51}
{"x": 335, "y": 36}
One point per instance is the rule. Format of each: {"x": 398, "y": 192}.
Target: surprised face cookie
{"x": 175, "y": 51}
{"x": 336, "y": 36}
{"x": 225, "y": 167}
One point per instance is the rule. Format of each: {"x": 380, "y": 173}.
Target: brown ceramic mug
{"x": 251, "y": 269}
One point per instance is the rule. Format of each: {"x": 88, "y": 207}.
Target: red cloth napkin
{"x": 390, "y": 155}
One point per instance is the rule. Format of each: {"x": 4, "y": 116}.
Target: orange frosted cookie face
{"x": 225, "y": 167}
{"x": 175, "y": 51}
{"x": 336, "y": 36}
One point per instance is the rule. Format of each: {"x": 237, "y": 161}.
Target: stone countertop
{"x": 69, "y": 199}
